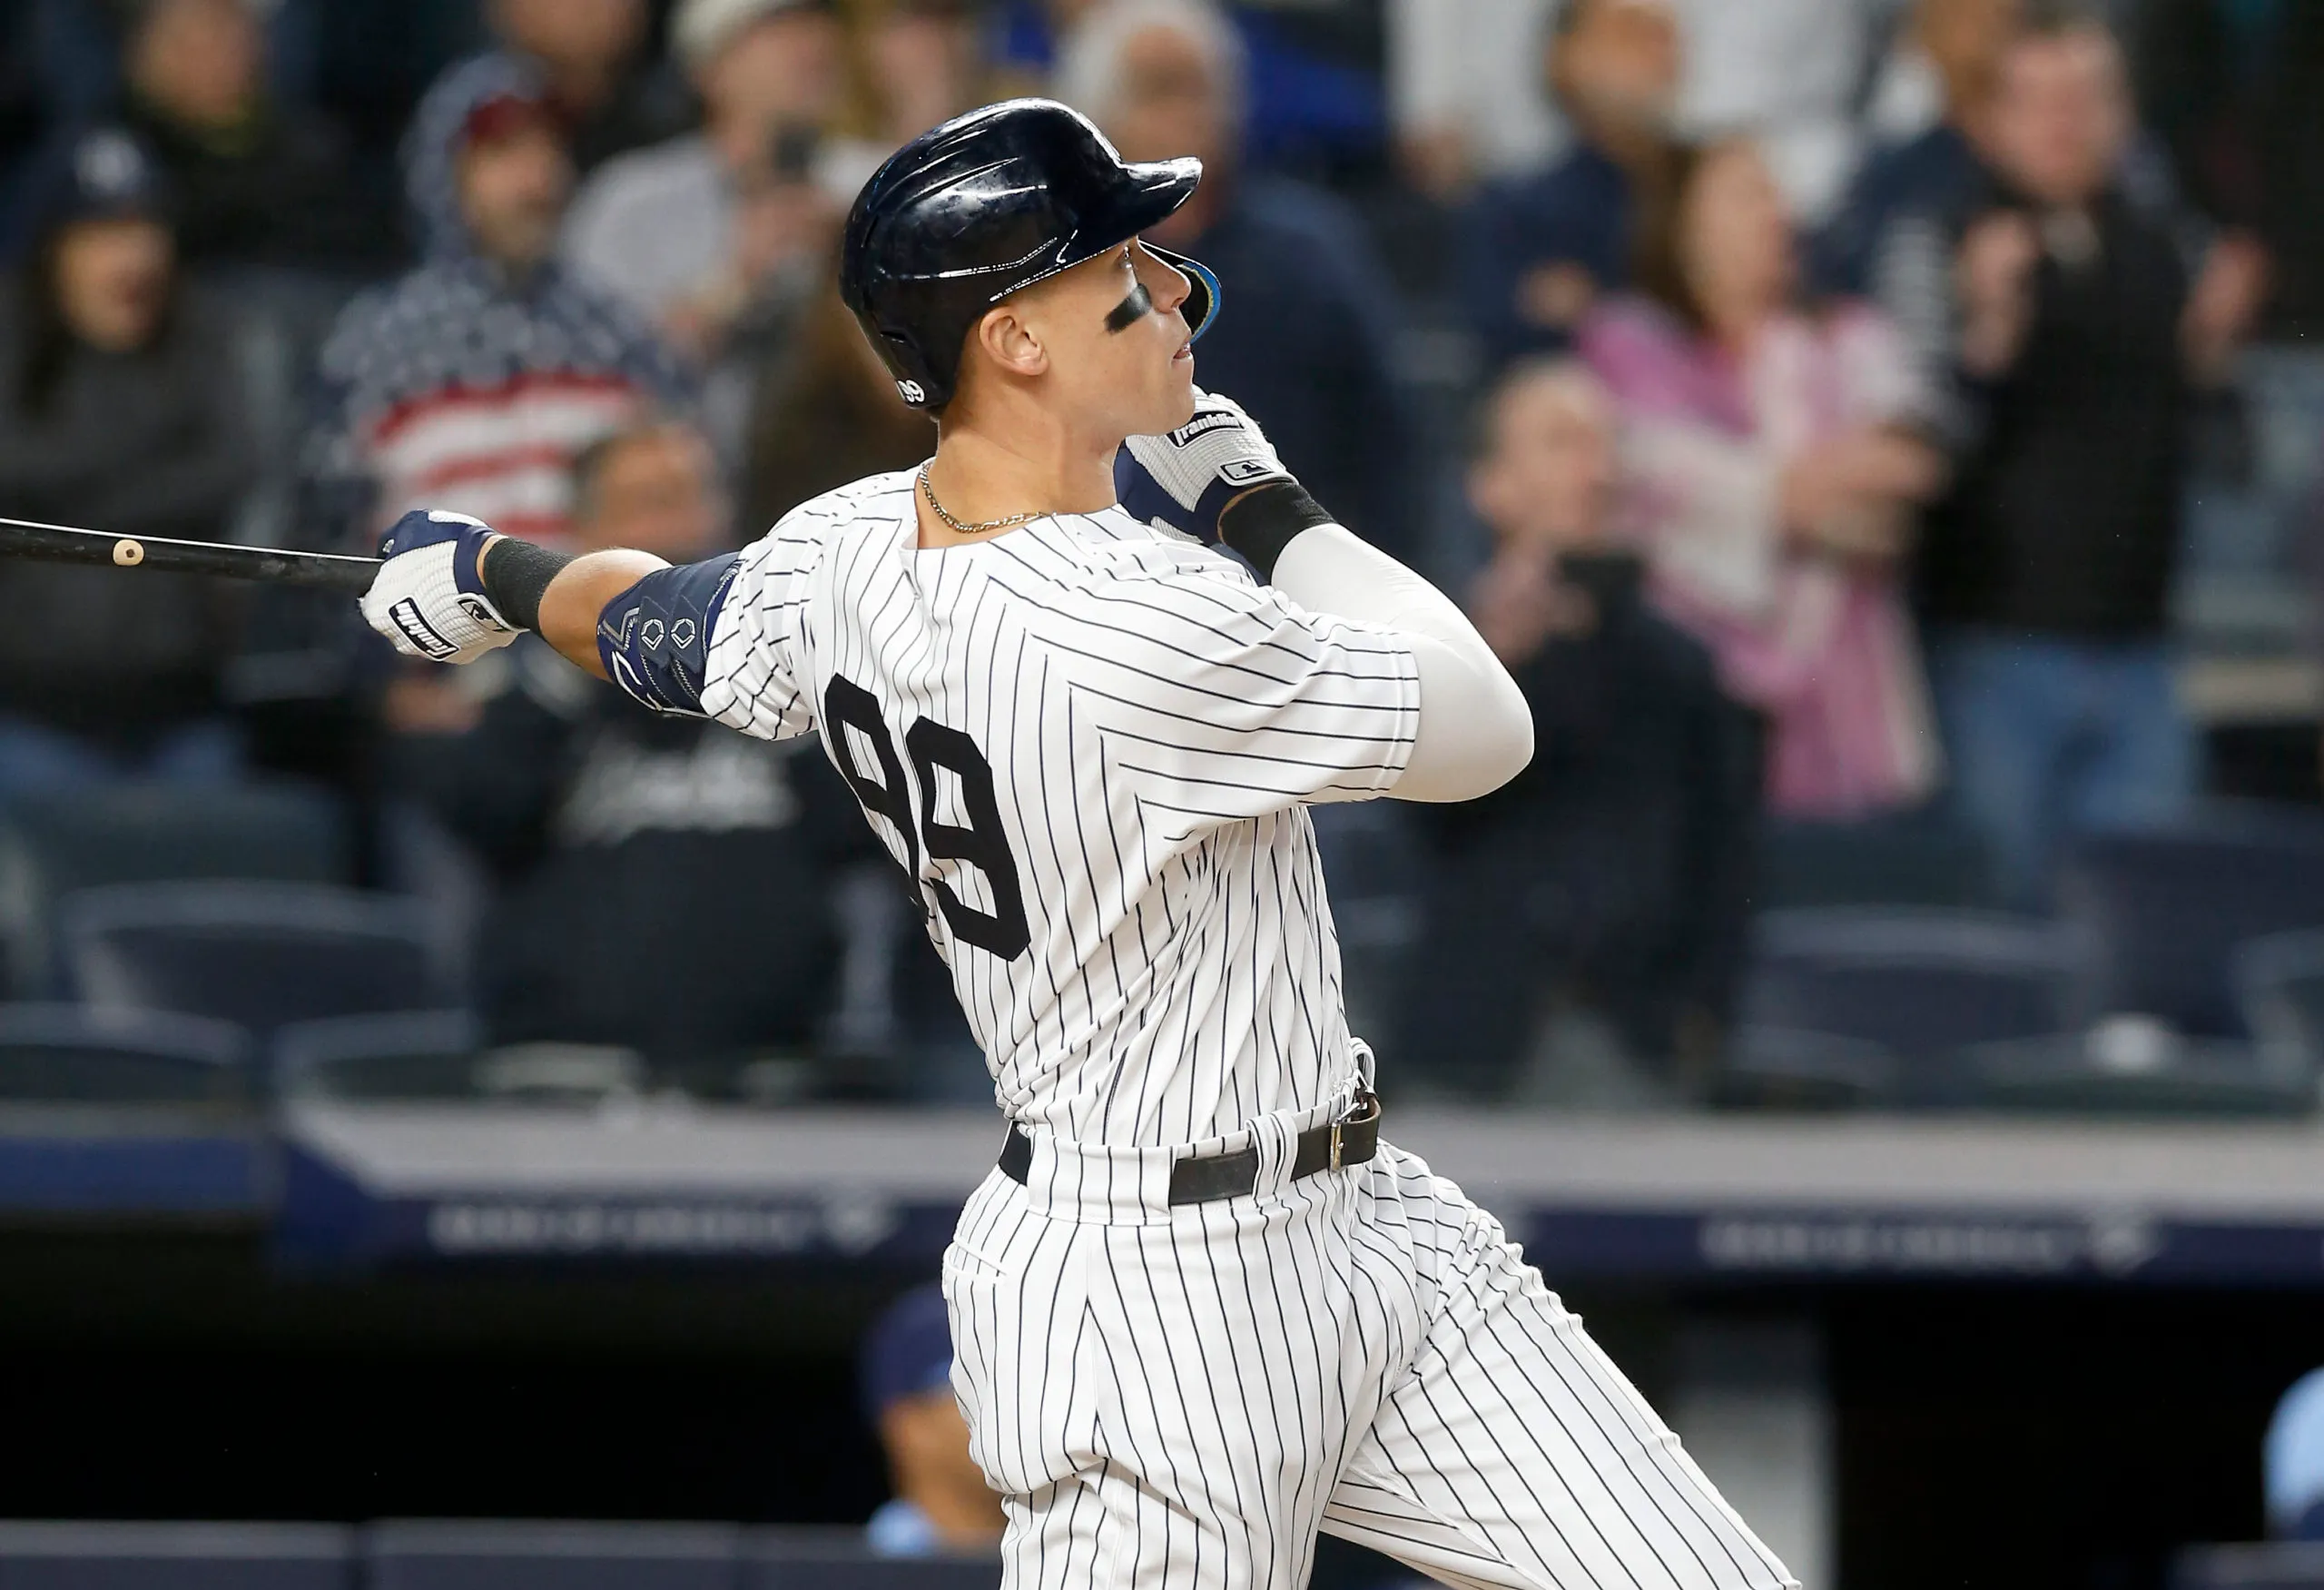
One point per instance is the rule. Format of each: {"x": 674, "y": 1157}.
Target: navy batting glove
{"x": 1183, "y": 481}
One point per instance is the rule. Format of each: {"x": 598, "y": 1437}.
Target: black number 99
{"x": 979, "y": 843}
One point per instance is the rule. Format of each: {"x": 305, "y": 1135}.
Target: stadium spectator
{"x": 664, "y": 884}
{"x": 1788, "y": 73}
{"x": 1307, "y": 328}
{"x": 2231, "y": 92}
{"x": 691, "y": 233}
{"x": 927, "y": 65}
{"x": 117, "y": 408}
{"x": 1608, "y": 878}
{"x": 1537, "y": 251}
{"x": 828, "y": 415}
{"x": 1774, "y": 478}
{"x": 1936, "y": 171}
{"x": 2045, "y": 572}
{"x": 471, "y": 383}
{"x": 941, "y": 1503}
{"x": 610, "y": 95}
{"x": 1468, "y": 91}
{"x": 260, "y": 181}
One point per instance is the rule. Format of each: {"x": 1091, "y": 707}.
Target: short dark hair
{"x": 588, "y": 467}
{"x": 2049, "y": 18}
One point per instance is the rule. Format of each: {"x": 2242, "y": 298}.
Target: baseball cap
{"x": 909, "y": 1352}
{"x": 701, "y": 28}
{"x": 95, "y": 173}
{"x": 500, "y": 116}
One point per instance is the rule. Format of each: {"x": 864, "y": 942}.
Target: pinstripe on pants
{"x": 1184, "y": 1396}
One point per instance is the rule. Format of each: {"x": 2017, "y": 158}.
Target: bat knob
{"x": 127, "y": 553}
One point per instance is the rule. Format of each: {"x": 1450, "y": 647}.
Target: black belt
{"x": 1328, "y": 1147}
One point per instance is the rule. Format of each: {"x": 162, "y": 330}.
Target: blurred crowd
{"x": 1806, "y": 396}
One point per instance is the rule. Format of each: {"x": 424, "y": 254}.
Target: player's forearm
{"x": 1476, "y": 731}
{"x": 577, "y": 594}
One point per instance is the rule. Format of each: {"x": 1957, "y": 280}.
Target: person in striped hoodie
{"x": 473, "y": 381}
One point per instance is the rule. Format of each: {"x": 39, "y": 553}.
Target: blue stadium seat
{"x": 1901, "y": 862}
{"x": 2164, "y": 913}
{"x": 50, "y": 847}
{"x": 465, "y": 1555}
{"x": 176, "y": 1556}
{"x": 425, "y": 1054}
{"x": 2280, "y": 991}
{"x": 837, "y": 1559}
{"x": 55, "y": 1054}
{"x": 262, "y": 954}
{"x": 1918, "y": 982}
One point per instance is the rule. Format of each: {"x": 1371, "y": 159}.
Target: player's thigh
{"x": 1514, "y": 1452}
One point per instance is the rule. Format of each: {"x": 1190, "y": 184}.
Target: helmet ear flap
{"x": 1203, "y": 292}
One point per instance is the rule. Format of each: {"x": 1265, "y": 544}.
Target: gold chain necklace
{"x": 984, "y": 527}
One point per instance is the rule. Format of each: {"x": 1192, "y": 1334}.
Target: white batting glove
{"x": 427, "y": 598}
{"x": 1183, "y": 481}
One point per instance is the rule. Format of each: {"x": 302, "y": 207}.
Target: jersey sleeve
{"x": 755, "y": 678}
{"x": 1223, "y": 700}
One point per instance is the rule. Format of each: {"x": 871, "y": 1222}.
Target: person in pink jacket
{"x": 1772, "y": 473}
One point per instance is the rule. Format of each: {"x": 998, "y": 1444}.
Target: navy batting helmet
{"x": 989, "y": 203}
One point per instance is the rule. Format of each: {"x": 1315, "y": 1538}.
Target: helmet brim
{"x": 1152, "y": 194}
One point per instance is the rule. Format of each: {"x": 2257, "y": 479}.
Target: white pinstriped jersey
{"x": 1090, "y": 744}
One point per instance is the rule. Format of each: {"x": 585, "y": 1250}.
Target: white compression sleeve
{"x": 1476, "y": 732}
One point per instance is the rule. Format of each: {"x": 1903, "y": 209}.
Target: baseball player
{"x": 1201, "y": 1311}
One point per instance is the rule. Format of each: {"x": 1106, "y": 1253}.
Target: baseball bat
{"x": 66, "y": 544}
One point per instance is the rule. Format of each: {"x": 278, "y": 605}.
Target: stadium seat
{"x": 2287, "y": 1564}
{"x": 2164, "y": 913}
{"x": 1783, "y": 1068}
{"x": 262, "y": 954}
{"x": 176, "y": 1556}
{"x": 466, "y": 1555}
{"x": 1918, "y": 982}
{"x": 2155, "y": 1073}
{"x": 2279, "y": 993}
{"x": 1898, "y": 862}
{"x": 837, "y": 1559}
{"x": 425, "y": 1054}
{"x": 56, "y": 1054}
{"x": 50, "y": 847}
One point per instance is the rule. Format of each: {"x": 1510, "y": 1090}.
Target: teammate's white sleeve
{"x": 1217, "y": 699}
{"x": 1476, "y": 731}
{"x": 753, "y": 679}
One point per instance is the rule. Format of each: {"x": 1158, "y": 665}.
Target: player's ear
{"x": 1010, "y": 342}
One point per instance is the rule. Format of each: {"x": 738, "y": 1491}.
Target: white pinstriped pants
{"x": 1182, "y": 1397}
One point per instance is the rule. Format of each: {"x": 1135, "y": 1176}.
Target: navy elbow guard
{"x": 654, "y": 638}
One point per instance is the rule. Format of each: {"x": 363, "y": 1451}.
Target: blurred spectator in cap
{"x": 261, "y": 182}
{"x": 2078, "y": 340}
{"x": 662, "y": 884}
{"x": 1604, "y": 886}
{"x": 691, "y": 233}
{"x": 1935, "y": 170}
{"x": 473, "y": 381}
{"x": 608, "y": 91}
{"x": 1775, "y": 466}
{"x": 1538, "y": 251}
{"x": 1307, "y": 322}
{"x": 943, "y": 1503}
{"x": 118, "y": 409}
